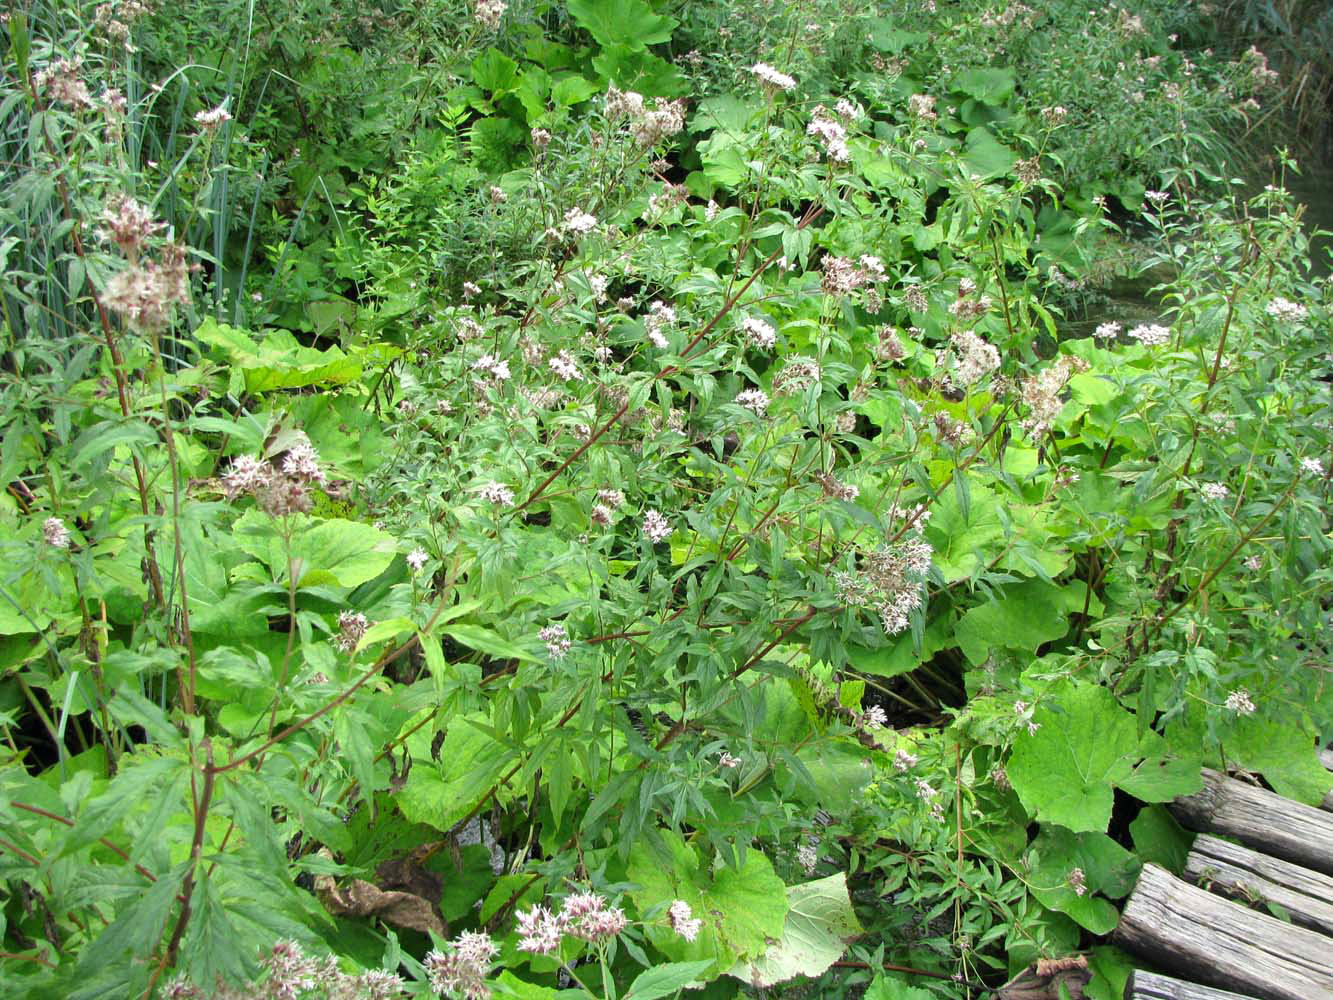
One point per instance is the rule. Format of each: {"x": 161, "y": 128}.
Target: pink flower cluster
{"x": 585, "y": 915}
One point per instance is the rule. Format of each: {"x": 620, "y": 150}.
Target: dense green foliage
{"x": 461, "y": 459}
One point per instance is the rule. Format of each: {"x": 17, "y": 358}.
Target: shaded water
{"x": 1314, "y": 189}
{"x": 1129, "y": 300}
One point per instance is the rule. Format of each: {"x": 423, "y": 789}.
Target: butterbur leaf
{"x": 631, "y": 23}
{"x": 986, "y": 155}
{"x": 494, "y": 71}
{"x": 1084, "y": 744}
{"x": 441, "y": 794}
{"x": 1160, "y": 839}
{"x": 820, "y": 924}
{"x": 1069, "y": 870}
{"x": 987, "y": 84}
{"x": 323, "y": 551}
{"x": 1161, "y": 779}
{"x": 740, "y": 910}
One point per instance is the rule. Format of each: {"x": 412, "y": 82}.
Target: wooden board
{"x": 1242, "y": 874}
{"x": 1150, "y": 986}
{"x": 1205, "y": 938}
{"x": 1260, "y": 820}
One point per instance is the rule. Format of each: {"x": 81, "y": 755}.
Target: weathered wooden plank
{"x": 1242, "y": 874}
{"x": 1261, "y": 820}
{"x": 1198, "y": 936}
{"x": 1150, "y": 986}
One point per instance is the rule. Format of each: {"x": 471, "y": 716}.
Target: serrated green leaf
{"x": 139, "y": 781}
{"x": 488, "y": 641}
{"x": 665, "y": 980}
{"x": 887, "y": 986}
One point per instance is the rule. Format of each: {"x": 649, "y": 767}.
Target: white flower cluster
{"x": 1285, "y": 311}
{"x": 1151, "y": 334}
{"x": 579, "y": 222}
{"x": 891, "y": 580}
{"x": 832, "y": 134}
{"x": 489, "y": 12}
{"x": 464, "y": 968}
{"x": 755, "y": 400}
{"x": 649, "y": 125}
{"x": 759, "y": 333}
{"x": 770, "y": 77}
{"x": 660, "y": 316}
{"x": 682, "y": 920}
{"x": 973, "y": 358}
{"x": 498, "y": 494}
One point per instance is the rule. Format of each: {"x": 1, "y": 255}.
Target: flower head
{"x": 564, "y": 365}
{"x": 246, "y": 474}
{"x": 579, "y": 222}
{"x": 682, "y": 920}
{"x": 1078, "y": 881}
{"x": 540, "y": 931}
{"x": 489, "y": 12}
{"x": 55, "y": 533}
{"x": 922, "y": 106}
{"x": 213, "y": 119}
{"x": 1239, "y": 701}
{"x": 587, "y": 916}
{"x": 128, "y": 224}
{"x": 498, "y": 494}
{"x": 557, "y": 641}
{"x": 464, "y": 968}
{"x": 772, "y": 78}
{"x": 1107, "y": 331}
{"x": 973, "y": 357}
{"x": 416, "y": 559}
{"x": 60, "y": 81}
{"x": 759, "y": 333}
{"x": 1150, "y": 334}
{"x": 301, "y": 463}
{"x": 831, "y": 133}
{"x": 755, "y": 400}
{"x": 655, "y": 526}
{"x": 352, "y": 626}
{"x": 1286, "y": 312}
